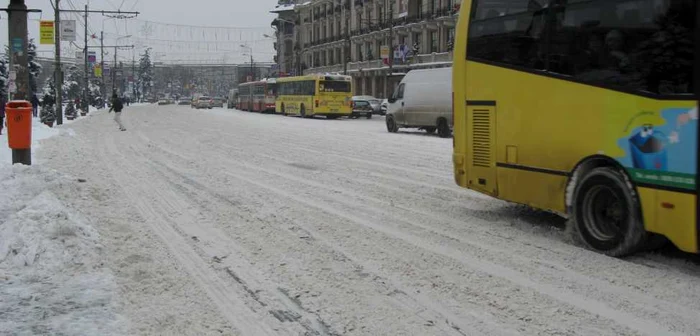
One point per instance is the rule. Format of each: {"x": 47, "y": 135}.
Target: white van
{"x": 422, "y": 100}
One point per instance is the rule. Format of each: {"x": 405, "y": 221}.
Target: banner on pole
{"x": 92, "y": 57}
{"x": 46, "y": 32}
{"x": 98, "y": 70}
{"x": 68, "y": 30}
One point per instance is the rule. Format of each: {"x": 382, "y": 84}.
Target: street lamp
{"x": 114, "y": 72}
{"x": 252, "y": 69}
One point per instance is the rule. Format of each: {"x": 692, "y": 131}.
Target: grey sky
{"x": 205, "y": 32}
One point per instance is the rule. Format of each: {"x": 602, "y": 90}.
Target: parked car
{"x": 376, "y": 103}
{"x": 217, "y": 102}
{"x": 184, "y": 101}
{"x": 422, "y": 100}
{"x": 361, "y": 108}
{"x": 203, "y": 102}
{"x": 385, "y": 105}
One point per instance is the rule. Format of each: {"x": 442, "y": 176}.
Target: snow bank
{"x": 52, "y": 280}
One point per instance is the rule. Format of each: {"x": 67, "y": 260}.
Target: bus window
{"x": 508, "y": 32}
{"x": 634, "y": 45}
{"x": 334, "y": 86}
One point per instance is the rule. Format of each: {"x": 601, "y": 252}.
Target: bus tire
{"x": 607, "y": 217}
{"x": 443, "y": 128}
{"x": 284, "y": 112}
{"x": 302, "y": 111}
{"x": 391, "y": 125}
{"x": 430, "y": 130}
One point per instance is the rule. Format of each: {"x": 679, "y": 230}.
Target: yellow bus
{"x": 312, "y": 95}
{"x": 586, "y": 108}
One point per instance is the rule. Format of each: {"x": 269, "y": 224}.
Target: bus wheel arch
{"x": 302, "y": 110}
{"x": 284, "y": 111}
{"x": 604, "y": 209}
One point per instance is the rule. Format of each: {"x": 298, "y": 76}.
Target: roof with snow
{"x": 287, "y": 7}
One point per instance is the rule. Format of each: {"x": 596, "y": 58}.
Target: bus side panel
{"x": 675, "y": 223}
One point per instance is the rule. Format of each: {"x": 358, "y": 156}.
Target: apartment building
{"x": 357, "y": 37}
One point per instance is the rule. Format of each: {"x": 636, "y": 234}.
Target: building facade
{"x": 374, "y": 41}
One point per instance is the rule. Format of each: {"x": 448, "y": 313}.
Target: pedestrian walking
{"x": 117, "y": 107}
{"x": 2, "y": 113}
{"x": 35, "y": 106}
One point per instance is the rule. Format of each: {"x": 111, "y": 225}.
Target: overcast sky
{"x": 177, "y": 30}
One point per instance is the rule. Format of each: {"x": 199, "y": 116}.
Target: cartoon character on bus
{"x": 665, "y": 144}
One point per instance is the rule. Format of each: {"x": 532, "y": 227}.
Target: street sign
{"x": 13, "y": 75}
{"x": 68, "y": 30}
{"x": 17, "y": 46}
{"x": 385, "y": 52}
{"x": 46, "y": 32}
{"x": 79, "y": 55}
{"x": 12, "y": 86}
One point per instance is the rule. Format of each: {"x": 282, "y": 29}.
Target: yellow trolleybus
{"x": 307, "y": 96}
{"x": 587, "y": 108}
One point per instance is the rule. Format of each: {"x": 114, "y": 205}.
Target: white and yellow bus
{"x": 312, "y": 95}
{"x": 587, "y": 108}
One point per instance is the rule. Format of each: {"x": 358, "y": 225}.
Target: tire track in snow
{"x": 586, "y": 304}
{"x": 225, "y": 297}
{"x": 399, "y": 296}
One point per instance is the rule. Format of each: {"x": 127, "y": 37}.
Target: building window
{"x": 434, "y": 41}
{"x": 417, "y": 41}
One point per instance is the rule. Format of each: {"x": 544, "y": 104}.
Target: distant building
{"x": 350, "y": 36}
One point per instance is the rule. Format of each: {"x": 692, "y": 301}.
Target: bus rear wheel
{"x": 302, "y": 111}
{"x": 607, "y": 214}
{"x": 284, "y": 112}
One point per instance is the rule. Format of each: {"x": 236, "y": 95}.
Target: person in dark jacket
{"x": 117, "y": 107}
{"x": 35, "y": 106}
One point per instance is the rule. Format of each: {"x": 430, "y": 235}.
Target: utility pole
{"x": 119, "y": 14}
{"x": 86, "y": 93}
{"x": 346, "y": 49}
{"x": 391, "y": 52}
{"x": 102, "y": 66}
{"x": 17, "y": 17}
{"x": 58, "y": 70}
{"x": 114, "y": 73}
{"x": 252, "y": 67}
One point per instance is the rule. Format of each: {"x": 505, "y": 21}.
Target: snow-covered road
{"x": 228, "y": 222}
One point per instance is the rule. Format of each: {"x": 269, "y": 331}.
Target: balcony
{"x": 420, "y": 61}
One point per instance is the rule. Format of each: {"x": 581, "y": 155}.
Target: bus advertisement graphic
{"x": 662, "y": 153}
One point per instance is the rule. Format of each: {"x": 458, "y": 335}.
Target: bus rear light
{"x": 667, "y": 205}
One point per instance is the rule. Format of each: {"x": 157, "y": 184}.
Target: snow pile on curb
{"x": 52, "y": 280}
{"x": 39, "y": 132}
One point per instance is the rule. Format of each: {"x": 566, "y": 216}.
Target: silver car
{"x": 376, "y": 103}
